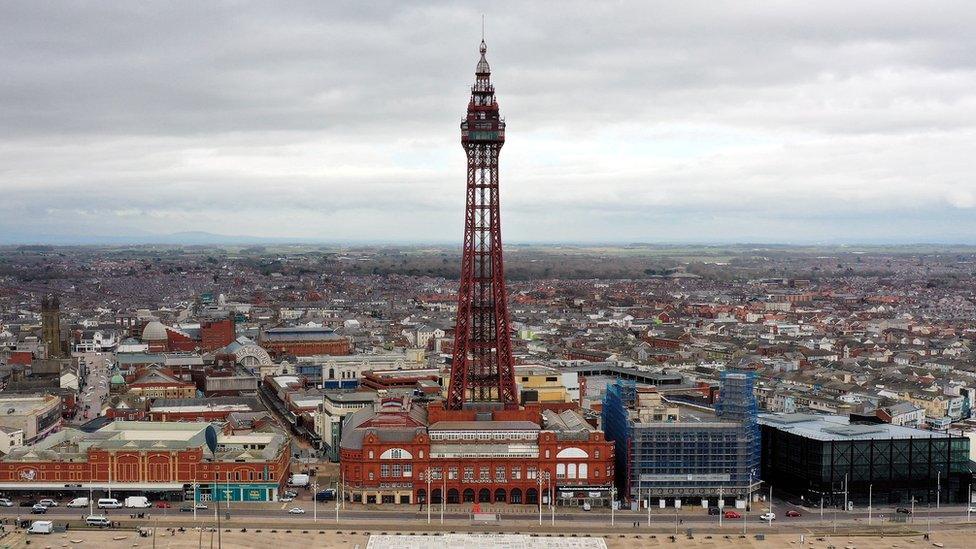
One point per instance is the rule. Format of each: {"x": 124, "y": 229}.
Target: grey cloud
{"x": 302, "y": 118}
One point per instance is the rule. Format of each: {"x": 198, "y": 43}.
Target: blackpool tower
{"x": 482, "y": 368}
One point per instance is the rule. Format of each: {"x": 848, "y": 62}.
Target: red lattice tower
{"x": 482, "y": 369}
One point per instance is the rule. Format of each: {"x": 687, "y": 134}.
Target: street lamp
{"x": 546, "y": 477}
{"x": 427, "y": 476}
{"x": 315, "y": 500}
{"x": 613, "y": 501}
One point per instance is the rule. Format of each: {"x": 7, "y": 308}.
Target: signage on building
{"x": 28, "y": 474}
{"x": 686, "y": 478}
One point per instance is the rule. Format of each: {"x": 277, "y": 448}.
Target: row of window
{"x": 480, "y": 435}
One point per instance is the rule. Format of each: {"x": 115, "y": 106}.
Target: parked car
{"x": 26, "y": 503}
{"x": 768, "y": 515}
{"x": 792, "y": 513}
{"x": 48, "y": 503}
{"x": 186, "y": 508}
{"x": 38, "y": 509}
{"x": 287, "y": 499}
{"x": 903, "y": 510}
{"x": 732, "y": 515}
{"x": 714, "y": 511}
{"x": 290, "y": 494}
{"x": 162, "y": 505}
{"x": 296, "y": 511}
{"x": 4, "y": 502}
{"x": 201, "y": 506}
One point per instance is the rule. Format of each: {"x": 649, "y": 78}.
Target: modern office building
{"x": 672, "y": 453}
{"x": 827, "y": 456}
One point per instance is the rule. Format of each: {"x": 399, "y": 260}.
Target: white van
{"x": 137, "y": 502}
{"x": 78, "y": 502}
{"x": 109, "y": 503}
{"x": 41, "y": 527}
{"x": 97, "y": 520}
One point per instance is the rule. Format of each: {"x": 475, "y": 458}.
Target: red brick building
{"x": 216, "y": 334}
{"x": 512, "y": 456}
{"x": 150, "y": 456}
{"x": 304, "y": 341}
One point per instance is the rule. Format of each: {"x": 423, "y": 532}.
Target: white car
{"x": 769, "y": 515}
{"x": 287, "y": 499}
{"x": 587, "y": 506}
{"x": 296, "y": 511}
{"x": 48, "y": 503}
{"x": 4, "y": 502}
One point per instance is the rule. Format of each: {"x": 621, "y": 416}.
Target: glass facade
{"x": 895, "y": 469}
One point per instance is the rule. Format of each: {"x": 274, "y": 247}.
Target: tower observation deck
{"x": 482, "y": 367}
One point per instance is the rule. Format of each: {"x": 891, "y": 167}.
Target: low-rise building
{"x": 35, "y": 415}
{"x": 145, "y": 457}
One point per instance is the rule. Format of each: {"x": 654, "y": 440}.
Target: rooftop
{"x": 839, "y": 428}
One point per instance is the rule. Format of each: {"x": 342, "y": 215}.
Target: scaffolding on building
{"x": 619, "y": 396}
{"x": 737, "y": 401}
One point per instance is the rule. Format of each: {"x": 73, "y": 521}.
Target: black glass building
{"x": 816, "y": 456}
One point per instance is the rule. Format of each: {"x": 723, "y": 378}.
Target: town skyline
{"x": 647, "y": 123}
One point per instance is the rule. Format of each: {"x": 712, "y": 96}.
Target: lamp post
{"x": 539, "y": 482}
{"x": 194, "y": 501}
{"x": 427, "y": 476}
{"x": 870, "y": 501}
{"x": 315, "y": 500}
{"x": 613, "y": 502}
{"x": 721, "y": 505}
{"x": 545, "y": 476}
{"x": 337, "y": 503}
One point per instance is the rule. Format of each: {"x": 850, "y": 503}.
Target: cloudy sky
{"x": 646, "y": 121}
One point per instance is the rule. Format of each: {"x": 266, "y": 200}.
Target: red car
{"x": 732, "y": 514}
{"x": 162, "y": 505}
{"x": 792, "y": 513}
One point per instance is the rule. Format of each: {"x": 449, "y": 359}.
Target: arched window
{"x": 531, "y": 496}
{"x": 421, "y": 496}
{"x": 454, "y": 497}
{"x": 516, "y": 495}
{"x": 500, "y": 495}
{"x": 484, "y": 496}
{"x": 468, "y": 495}
{"x": 435, "y": 496}
{"x": 331, "y": 373}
